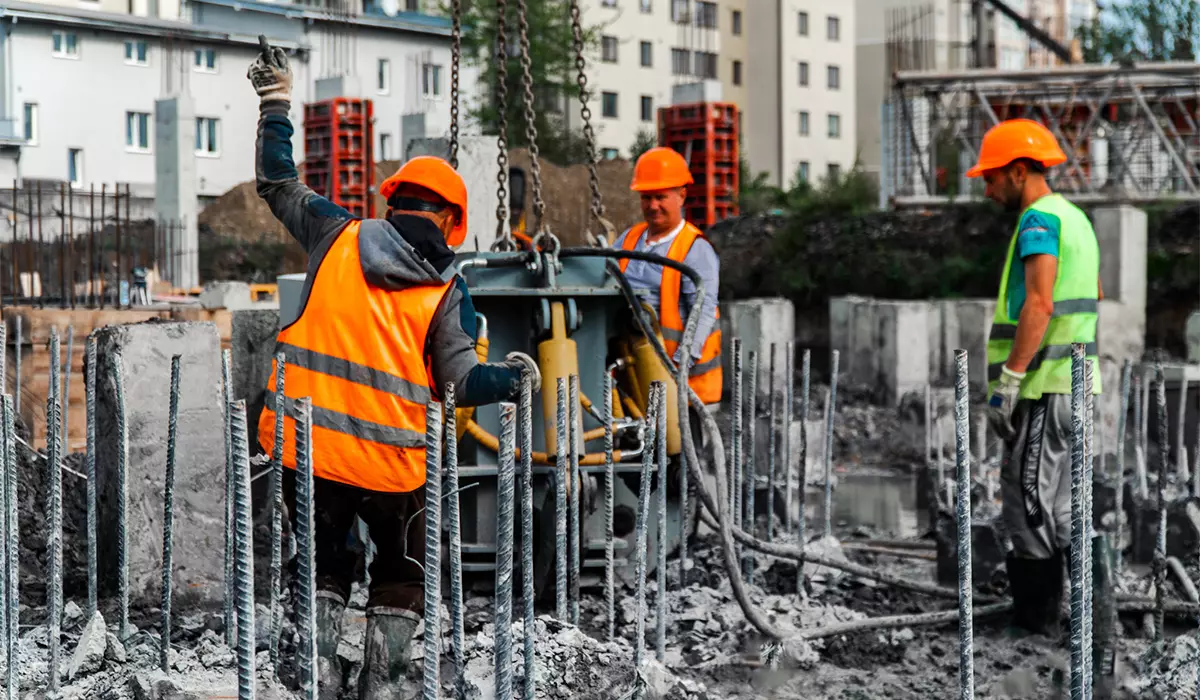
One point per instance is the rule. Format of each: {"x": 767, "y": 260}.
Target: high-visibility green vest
{"x": 1076, "y": 294}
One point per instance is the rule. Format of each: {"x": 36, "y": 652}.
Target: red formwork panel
{"x": 706, "y": 134}
{"x": 338, "y": 157}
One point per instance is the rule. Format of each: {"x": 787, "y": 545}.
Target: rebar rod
{"x": 1139, "y": 450}
{"x": 735, "y": 453}
{"x": 12, "y": 544}
{"x": 432, "y": 654}
{"x": 750, "y": 471}
{"x": 831, "y": 412}
{"x": 1164, "y": 461}
{"x": 805, "y": 379}
{"x": 789, "y": 391}
{"x": 928, "y": 426}
{"x": 17, "y": 366}
{"x": 54, "y": 551}
{"x": 660, "y": 456}
{"x": 306, "y": 569}
{"x": 450, "y": 466}
{"x": 560, "y": 503}
{"x": 90, "y": 465}
{"x": 1079, "y": 689}
{"x": 609, "y": 485}
{"x": 1088, "y": 461}
{"x": 1119, "y": 482}
{"x": 643, "y": 516}
{"x": 528, "y": 592}
{"x": 504, "y": 550}
{"x": 1181, "y": 465}
{"x": 117, "y": 375}
{"x": 226, "y": 400}
{"x": 276, "y": 566}
{"x": 772, "y": 437}
{"x": 245, "y": 553}
{"x": 573, "y": 494}
{"x": 169, "y": 517}
{"x": 66, "y": 389}
{"x": 962, "y": 456}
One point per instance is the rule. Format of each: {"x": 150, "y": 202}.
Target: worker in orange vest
{"x": 385, "y": 323}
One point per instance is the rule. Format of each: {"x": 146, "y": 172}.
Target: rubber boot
{"x": 386, "y": 651}
{"x": 1037, "y": 592}
{"x": 330, "y": 609}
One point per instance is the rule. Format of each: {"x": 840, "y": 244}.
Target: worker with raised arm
{"x": 385, "y": 323}
{"x": 1049, "y": 294}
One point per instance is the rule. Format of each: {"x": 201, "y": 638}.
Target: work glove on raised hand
{"x": 522, "y": 361}
{"x": 1002, "y": 402}
{"x": 270, "y": 73}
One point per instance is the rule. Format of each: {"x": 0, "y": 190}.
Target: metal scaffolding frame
{"x": 1130, "y": 133}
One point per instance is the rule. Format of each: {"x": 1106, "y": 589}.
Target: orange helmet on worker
{"x": 428, "y": 186}
{"x": 1011, "y": 152}
{"x": 661, "y": 177}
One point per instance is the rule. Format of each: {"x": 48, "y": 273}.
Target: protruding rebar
{"x": 169, "y": 517}
{"x": 831, "y": 412}
{"x": 1139, "y": 450}
{"x": 230, "y": 543}
{"x": 1119, "y": 482}
{"x": 785, "y": 417}
{"x": 609, "y": 485}
{"x": 1089, "y": 456}
{"x": 1164, "y": 462}
{"x": 306, "y": 570}
{"x": 805, "y": 380}
{"x": 750, "y": 471}
{"x": 66, "y": 391}
{"x": 928, "y": 426}
{"x": 642, "y": 524}
{"x": 560, "y": 503}
{"x": 117, "y": 375}
{"x": 962, "y": 454}
{"x": 1181, "y": 465}
{"x": 450, "y": 462}
{"x": 1079, "y": 690}
{"x": 526, "y": 430}
{"x": 245, "y": 552}
{"x": 506, "y": 477}
{"x": 573, "y": 493}
{"x": 735, "y": 444}
{"x": 12, "y": 541}
{"x": 276, "y": 566}
{"x": 660, "y": 455}
{"x": 432, "y": 655}
{"x": 54, "y": 508}
{"x": 17, "y": 347}
{"x": 90, "y": 462}
{"x": 772, "y": 446}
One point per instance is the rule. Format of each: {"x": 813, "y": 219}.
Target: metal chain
{"x": 455, "y": 57}
{"x": 586, "y": 112}
{"x": 504, "y": 239}
{"x": 535, "y": 168}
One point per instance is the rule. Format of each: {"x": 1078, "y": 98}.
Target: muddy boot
{"x": 386, "y": 650}
{"x": 1037, "y": 591}
{"x": 330, "y": 607}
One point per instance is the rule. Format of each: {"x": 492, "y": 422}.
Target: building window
{"x": 679, "y": 11}
{"x": 205, "y": 60}
{"x": 64, "y": 44}
{"x": 804, "y": 123}
{"x": 835, "y": 126}
{"x": 608, "y": 104}
{"x": 608, "y": 49}
{"x": 706, "y": 65}
{"x": 737, "y": 22}
{"x": 207, "y": 137}
{"x": 31, "y": 123}
{"x": 737, "y": 72}
{"x": 136, "y": 53}
{"x": 833, "y": 28}
{"x": 75, "y": 166}
{"x": 137, "y": 131}
{"x": 385, "y": 147}
{"x": 681, "y": 62}
{"x": 647, "y": 108}
{"x": 802, "y": 171}
{"x": 706, "y": 14}
{"x": 610, "y": 153}
{"x": 383, "y": 76}
{"x": 833, "y": 77}
{"x": 647, "y": 50}
{"x": 834, "y": 172}
{"x": 804, "y": 74}
{"x": 802, "y": 23}
{"x": 431, "y": 80}
{"x": 646, "y": 7}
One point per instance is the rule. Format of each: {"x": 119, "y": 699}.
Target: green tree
{"x": 1142, "y": 30}
{"x": 644, "y": 141}
{"x": 552, "y": 70}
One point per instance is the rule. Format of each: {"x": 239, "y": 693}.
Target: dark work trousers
{"x": 397, "y": 580}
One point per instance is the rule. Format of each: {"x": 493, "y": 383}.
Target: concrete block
{"x": 1120, "y": 335}
{"x": 864, "y": 344}
{"x": 230, "y": 295}
{"x": 1121, "y": 234}
{"x": 759, "y": 323}
{"x": 840, "y": 310}
{"x": 146, "y": 350}
{"x": 253, "y": 346}
{"x": 692, "y": 93}
{"x": 903, "y": 348}
{"x": 943, "y": 334}
{"x": 1193, "y": 337}
{"x": 974, "y": 326}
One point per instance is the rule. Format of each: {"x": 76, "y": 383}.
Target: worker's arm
{"x": 703, "y": 259}
{"x": 1037, "y": 247}
{"x": 451, "y": 351}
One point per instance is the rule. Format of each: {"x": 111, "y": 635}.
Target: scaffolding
{"x": 1130, "y": 132}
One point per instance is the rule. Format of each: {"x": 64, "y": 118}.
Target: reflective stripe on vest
{"x": 1075, "y": 313}
{"x": 705, "y": 376}
{"x": 358, "y": 351}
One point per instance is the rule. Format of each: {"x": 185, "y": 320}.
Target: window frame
{"x": 209, "y": 135}
{"x": 608, "y": 41}
{"x": 646, "y": 108}
{"x": 616, "y": 107}
{"x": 131, "y": 58}
{"x": 73, "y": 151}
{"x": 802, "y": 23}
{"x": 383, "y": 74}
{"x": 802, "y": 74}
{"x": 805, "y": 124}
{"x": 833, "y": 28}
{"x": 735, "y": 23}
{"x": 434, "y": 69}
{"x": 831, "y": 119}
{"x": 133, "y": 120}
{"x": 29, "y": 123}
{"x": 198, "y": 66}
{"x": 736, "y": 72}
{"x": 833, "y": 76}
{"x": 62, "y": 51}
{"x": 646, "y": 54}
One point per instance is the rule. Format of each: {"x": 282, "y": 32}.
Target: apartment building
{"x": 1061, "y": 19}
{"x": 800, "y": 113}
{"x": 735, "y": 47}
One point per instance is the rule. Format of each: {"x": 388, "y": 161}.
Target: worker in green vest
{"x": 1049, "y": 293}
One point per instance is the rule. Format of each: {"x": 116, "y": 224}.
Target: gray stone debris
{"x": 89, "y": 652}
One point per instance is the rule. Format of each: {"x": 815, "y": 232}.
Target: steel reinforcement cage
{"x": 1131, "y": 133}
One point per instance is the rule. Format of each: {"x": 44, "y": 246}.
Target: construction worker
{"x": 385, "y": 324}
{"x": 1049, "y": 293}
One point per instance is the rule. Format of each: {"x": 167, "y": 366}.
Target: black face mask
{"x": 425, "y": 237}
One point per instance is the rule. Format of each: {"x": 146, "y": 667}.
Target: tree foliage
{"x": 552, "y": 71}
{"x": 1141, "y": 31}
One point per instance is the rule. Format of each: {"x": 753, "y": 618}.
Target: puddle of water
{"x": 884, "y": 501}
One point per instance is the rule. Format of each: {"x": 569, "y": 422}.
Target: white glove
{"x": 270, "y": 73}
{"x": 526, "y": 363}
{"x": 1002, "y": 401}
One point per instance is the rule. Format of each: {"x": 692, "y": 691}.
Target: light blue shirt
{"x": 646, "y": 277}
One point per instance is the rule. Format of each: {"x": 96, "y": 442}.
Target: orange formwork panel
{"x": 338, "y": 160}
{"x": 706, "y": 134}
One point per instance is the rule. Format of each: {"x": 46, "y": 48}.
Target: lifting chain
{"x": 604, "y": 239}
{"x": 455, "y": 58}
{"x": 504, "y": 240}
{"x": 531, "y": 135}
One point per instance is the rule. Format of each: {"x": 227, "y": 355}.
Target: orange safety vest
{"x": 705, "y": 376}
{"x": 359, "y": 352}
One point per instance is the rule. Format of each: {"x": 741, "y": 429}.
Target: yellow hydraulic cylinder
{"x": 557, "y": 357}
{"x": 649, "y": 368}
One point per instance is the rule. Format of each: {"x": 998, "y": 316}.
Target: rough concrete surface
{"x": 252, "y": 344}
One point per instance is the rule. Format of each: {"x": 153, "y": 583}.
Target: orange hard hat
{"x": 1017, "y": 138}
{"x": 435, "y": 175}
{"x": 660, "y": 169}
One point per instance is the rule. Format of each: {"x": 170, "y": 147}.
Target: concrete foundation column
{"x": 1121, "y": 333}
{"x": 759, "y": 323}
{"x": 175, "y": 185}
